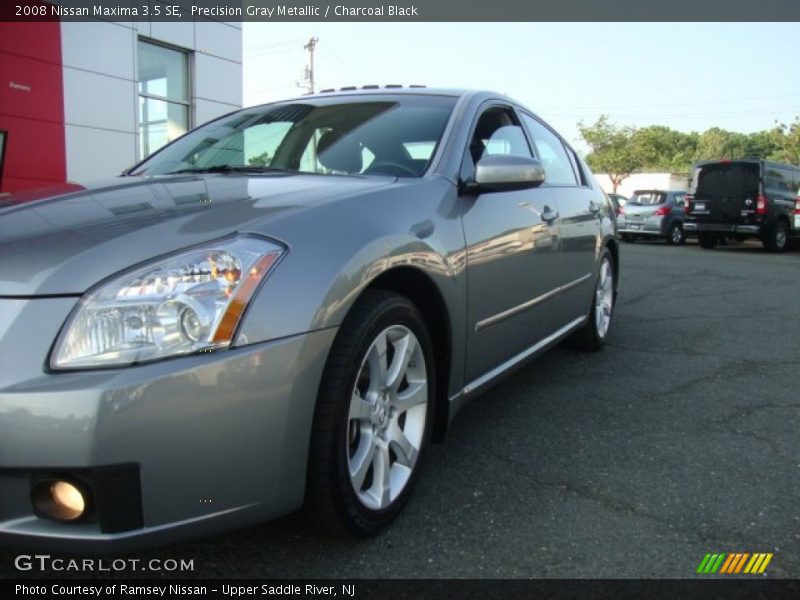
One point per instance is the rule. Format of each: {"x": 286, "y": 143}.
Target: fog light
{"x": 60, "y": 499}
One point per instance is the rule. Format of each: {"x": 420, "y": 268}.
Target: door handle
{"x": 548, "y": 214}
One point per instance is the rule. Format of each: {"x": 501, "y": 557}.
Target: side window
{"x": 576, "y": 166}
{"x": 558, "y": 168}
{"x": 789, "y": 181}
{"x": 775, "y": 180}
{"x": 498, "y": 132}
{"x": 679, "y": 199}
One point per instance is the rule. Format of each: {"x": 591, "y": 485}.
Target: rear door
{"x": 579, "y": 223}
{"x": 725, "y": 192}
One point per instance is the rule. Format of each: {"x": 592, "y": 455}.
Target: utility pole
{"x": 309, "y": 71}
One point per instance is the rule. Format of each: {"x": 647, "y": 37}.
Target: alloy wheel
{"x": 386, "y": 420}
{"x": 677, "y": 234}
{"x": 604, "y": 298}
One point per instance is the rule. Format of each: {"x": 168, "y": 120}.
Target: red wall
{"x": 32, "y": 105}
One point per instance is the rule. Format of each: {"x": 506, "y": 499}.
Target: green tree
{"x": 712, "y": 144}
{"x": 261, "y": 160}
{"x": 613, "y": 149}
{"x": 716, "y": 143}
{"x": 761, "y": 144}
{"x": 664, "y": 149}
{"x": 786, "y": 142}
{"x": 620, "y": 151}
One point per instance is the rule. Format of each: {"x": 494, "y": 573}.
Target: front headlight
{"x": 184, "y": 303}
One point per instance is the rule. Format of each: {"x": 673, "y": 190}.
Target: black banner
{"x": 731, "y": 588}
{"x": 402, "y": 10}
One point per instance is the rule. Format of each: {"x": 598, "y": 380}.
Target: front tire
{"x": 594, "y": 334}
{"x": 373, "y": 416}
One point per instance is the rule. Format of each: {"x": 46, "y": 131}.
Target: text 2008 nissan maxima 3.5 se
{"x": 282, "y": 308}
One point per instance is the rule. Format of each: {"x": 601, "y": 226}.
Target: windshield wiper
{"x": 232, "y": 169}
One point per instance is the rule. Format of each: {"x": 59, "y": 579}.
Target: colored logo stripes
{"x": 735, "y": 562}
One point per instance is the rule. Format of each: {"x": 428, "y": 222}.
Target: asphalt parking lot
{"x": 681, "y": 438}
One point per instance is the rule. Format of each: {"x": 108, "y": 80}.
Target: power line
{"x": 609, "y": 107}
{"x": 652, "y": 115}
{"x": 292, "y": 42}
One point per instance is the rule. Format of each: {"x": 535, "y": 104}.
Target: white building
{"x": 85, "y": 100}
{"x": 645, "y": 181}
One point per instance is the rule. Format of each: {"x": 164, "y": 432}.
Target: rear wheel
{"x": 675, "y": 235}
{"x": 778, "y": 239}
{"x": 373, "y": 416}
{"x": 706, "y": 241}
{"x": 593, "y": 335}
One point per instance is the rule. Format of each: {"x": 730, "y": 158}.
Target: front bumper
{"x": 211, "y": 441}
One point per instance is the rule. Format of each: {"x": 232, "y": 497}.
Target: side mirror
{"x": 504, "y": 173}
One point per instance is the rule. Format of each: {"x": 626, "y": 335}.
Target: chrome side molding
{"x": 515, "y": 310}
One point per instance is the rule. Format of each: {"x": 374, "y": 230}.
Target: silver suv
{"x": 282, "y": 308}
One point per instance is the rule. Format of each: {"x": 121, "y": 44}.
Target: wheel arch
{"x": 423, "y": 292}
{"x": 613, "y": 247}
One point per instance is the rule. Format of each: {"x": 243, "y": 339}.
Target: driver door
{"x": 512, "y": 252}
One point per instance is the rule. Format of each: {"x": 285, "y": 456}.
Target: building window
{"x": 163, "y": 96}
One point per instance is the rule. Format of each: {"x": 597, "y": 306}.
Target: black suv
{"x": 743, "y": 198}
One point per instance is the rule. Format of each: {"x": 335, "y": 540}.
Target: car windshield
{"x": 382, "y": 136}
{"x": 648, "y": 198}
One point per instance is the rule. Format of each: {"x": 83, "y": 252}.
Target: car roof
{"x": 391, "y": 90}
{"x": 419, "y": 90}
{"x": 751, "y": 160}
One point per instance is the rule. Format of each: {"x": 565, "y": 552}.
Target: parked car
{"x": 746, "y": 198}
{"x": 618, "y": 201}
{"x": 283, "y": 307}
{"x": 653, "y": 213}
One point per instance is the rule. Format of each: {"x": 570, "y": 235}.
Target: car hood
{"x": 68, "y": 240}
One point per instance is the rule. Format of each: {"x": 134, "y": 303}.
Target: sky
{"x": 687, "y": 76}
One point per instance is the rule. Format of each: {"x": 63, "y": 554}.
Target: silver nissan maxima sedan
{"x": 282, "y": 308}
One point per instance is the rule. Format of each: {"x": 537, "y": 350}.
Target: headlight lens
{"x": 184, "y": 303}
